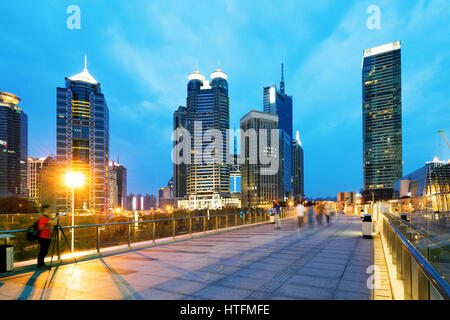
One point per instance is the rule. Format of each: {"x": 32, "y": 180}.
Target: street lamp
{"x": 74, "y": 180}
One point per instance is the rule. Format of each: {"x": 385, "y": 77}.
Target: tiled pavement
{"x": 252, "y": 263}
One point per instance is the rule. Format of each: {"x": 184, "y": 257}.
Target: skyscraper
{"x": 279, "y": 103}
{"x": 179, "y": 170}
{"x": 298, "y": 168}
{"x": 257, "y": 189}
{"x": 82, "y": 140}
{"x": 13, "y": 146}
{"x": 208, "y": 180}
{"x": 34, "y": 178}
{"x": 117, "y": 176}
{"x": 382, "y": 120}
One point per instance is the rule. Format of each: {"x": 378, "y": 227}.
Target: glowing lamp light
{"x": 74, "y": 179}
{"x": 290, "y": 203}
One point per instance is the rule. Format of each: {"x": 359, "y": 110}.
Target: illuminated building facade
{"x": 117, "y": 177}
{"x": 13, "y": 146}
{"x": 431, "y": 181}
{"x": 82, "y": 140}
{"x": 179, "y": 170}
{"x": 382, "y": 120}
{"x": 298, "y": 169}
{"x": 34, "y": 170}
{"x": 207, "y": 107}
{"x": 258, "y": 190}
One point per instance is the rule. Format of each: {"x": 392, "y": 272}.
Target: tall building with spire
{"x": 82, "y": 140}
{"x": 278, "y": 102}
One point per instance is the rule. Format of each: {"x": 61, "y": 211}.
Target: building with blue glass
{"x": 179, "y": 169}
{"x": 278, "y": 102}
{"x": 382, "y": 120}
{"x": 13, "y": 146}
{"x": 298, "y": 169}
{"x": 208, "y": 175}
{"x": 432, "y": 181}
{"x": 82, "y": 141}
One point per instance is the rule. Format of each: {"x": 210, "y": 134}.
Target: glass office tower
{"x": 298, "y": 168}
{"x": 13, "y": 146}
{"x": 258, "y": 190}
{"x": 82, "y": 140}
{"x": 278, "y": 102}
{"x": 382, "y": 120}
{"x": 179, "y": 170}
{"x": 208, "y": 106}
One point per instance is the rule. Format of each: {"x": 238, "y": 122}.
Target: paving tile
{"x": 304, "y": 292}
{"x": 242, "y": 282}
{"x": 354, "y": 286}
{"x": 325, "y": 266}
{"x": 320, "y": 273}
{"x": 319, "y": 282}
{"x": 349, "y": 295}
{"x": 181, "y": 286}
{"x": 156, "y": 294}
{"x": 215, "y": 292}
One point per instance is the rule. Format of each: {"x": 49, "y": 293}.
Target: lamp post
{"x": 74, "y": 180}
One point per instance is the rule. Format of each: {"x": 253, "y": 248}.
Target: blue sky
{"x": 142, "y": 52}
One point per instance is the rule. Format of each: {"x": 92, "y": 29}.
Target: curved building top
{"x": 9, "y": 98}
{"x": 219, "y": 74}
{"x": 196, "y": 76}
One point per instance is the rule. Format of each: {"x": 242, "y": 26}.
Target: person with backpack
{"x": 44, "y": 237}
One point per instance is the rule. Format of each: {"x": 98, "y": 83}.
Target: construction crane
{"x": 444, "y": 137}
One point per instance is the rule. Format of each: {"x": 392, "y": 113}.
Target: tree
{"x": 13, "y": 204}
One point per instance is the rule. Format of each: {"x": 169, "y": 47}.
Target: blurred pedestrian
{"x": 320, "y": 211}
{"x": 310, "y": 211}
{"x": 300, "y": 214}
{"x": 327, "y": 212}
{"x": 276, "y": 214}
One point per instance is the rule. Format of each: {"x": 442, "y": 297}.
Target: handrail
{"x": 134, "y": 222}
{"x": 430, "y": 272}
{"x": 424, "y": 233}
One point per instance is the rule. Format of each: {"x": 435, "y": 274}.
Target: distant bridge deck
{"x": 251, "y": 263}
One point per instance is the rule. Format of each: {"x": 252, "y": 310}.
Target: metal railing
{"x": 121, "y": 236}
{"x": 421, "y": 280}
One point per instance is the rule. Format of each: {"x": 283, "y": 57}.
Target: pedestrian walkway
{"x": 251, "y": 263}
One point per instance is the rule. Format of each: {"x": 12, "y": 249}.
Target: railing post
{"x": 226, "y": 221}
{"x": 153, "y": 231}
{"x": 235, "y": 220}
{"x": 129, "y": 235}
{"x": 190, "y": 226}
{"x": 98, "y": 238}
{"x": 217, "y": 227}
{"x": 173, "y": 227}
{"x": 204, "y": 224}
